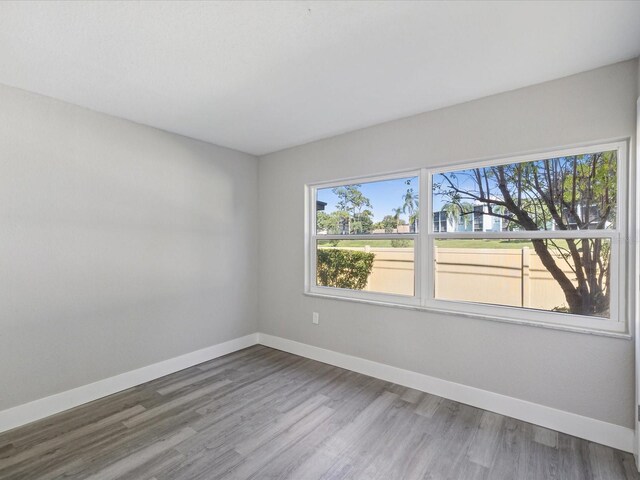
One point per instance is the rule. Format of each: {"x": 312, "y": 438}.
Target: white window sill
{"x": 494, "y": 318}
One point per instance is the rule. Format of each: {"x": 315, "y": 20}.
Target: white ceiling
{"x": 263, "y": 76}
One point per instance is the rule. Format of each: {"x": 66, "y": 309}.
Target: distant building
{"x": 399, "y": 229}
{"x": 591, "y": 216}
{"x": 479, "y": 220}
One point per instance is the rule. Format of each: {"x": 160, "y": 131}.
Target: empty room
{"x": 319, "y": 240}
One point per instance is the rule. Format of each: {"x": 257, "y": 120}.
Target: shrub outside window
{"x": 531, "y": 239}
{"x": 364, "y": 238}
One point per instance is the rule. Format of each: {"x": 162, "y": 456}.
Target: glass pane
{"x": 383, "y": 266}
{"x": 566, "y": 193}
{"x": 388, "y": 206}
{"x": 558, "y": 275}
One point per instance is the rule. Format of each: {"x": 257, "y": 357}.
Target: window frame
{"x": 424, "y": 294}
{"x": 312, "y": 238}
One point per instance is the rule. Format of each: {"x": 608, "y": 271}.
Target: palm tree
{"x": 410, "y": 207}
{"x": 457, "y": 211}
{"x": 396, "y": 216}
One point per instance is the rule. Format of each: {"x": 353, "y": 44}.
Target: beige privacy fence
{"x": 513, "y": 277}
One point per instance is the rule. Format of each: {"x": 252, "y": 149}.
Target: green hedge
{"x": 344, "y": 268}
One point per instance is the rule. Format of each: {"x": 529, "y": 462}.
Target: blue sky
{"x": 387, "y": 195}
{"x": 384, "y": 196}
{"x": 464, "y": 180}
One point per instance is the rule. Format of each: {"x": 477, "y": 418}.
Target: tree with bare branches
{"x": 568, "y": 193}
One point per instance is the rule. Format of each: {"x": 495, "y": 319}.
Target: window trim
{"x": 312, "y": 237}
{"x": 617, "y": 325}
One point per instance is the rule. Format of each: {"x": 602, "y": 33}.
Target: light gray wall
{"x": 120, "y": 246}
{"x": 588, "y": 375}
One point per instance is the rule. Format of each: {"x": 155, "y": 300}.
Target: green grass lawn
{"x": 493, "y": 243}
{"x": 357, "y": 243}
{"x": 453, "y": 243}
{"x": 497, "y": 243}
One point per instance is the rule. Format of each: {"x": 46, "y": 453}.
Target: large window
{"x": 537, "y": 238}
{"x": 364, "y": 238}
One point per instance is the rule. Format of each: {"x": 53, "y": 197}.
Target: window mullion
{"x": 373, "y": 236}
{"x": 426, "y": 254}
{"x": 527, "y": 234}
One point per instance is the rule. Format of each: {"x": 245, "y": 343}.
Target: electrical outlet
{"x": 316, "y": 318}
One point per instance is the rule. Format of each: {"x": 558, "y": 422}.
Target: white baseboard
{"x": 591, "y": 429}
{"x": 44, "y": 407}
